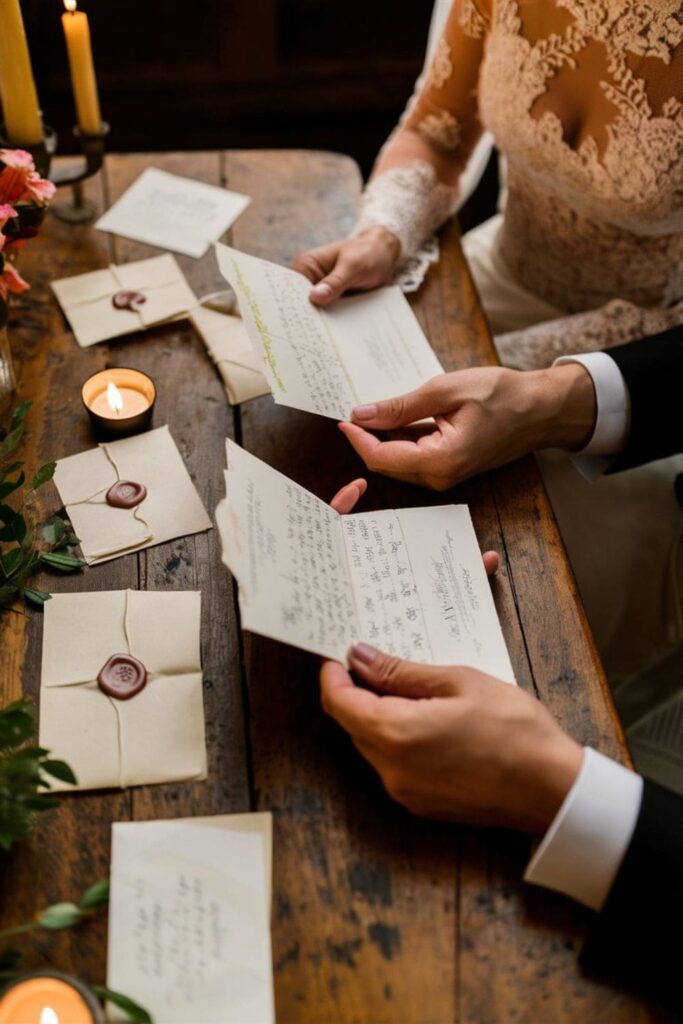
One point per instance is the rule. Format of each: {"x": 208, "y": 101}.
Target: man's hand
{"x": 361, "y": 263}
{"x": 483, "y": 418}
{"x": 453, "y": 743}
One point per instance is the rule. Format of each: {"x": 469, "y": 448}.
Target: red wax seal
{"x": 126, "y": 494}
{"x": 122, "y": 676}
{"x": 128, "y": 300}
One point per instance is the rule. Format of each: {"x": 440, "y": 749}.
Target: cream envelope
{"x": 86, "y": 299}
{"x": 228, "y": 344}
{"x": 172, "y": 507}
{"x": 155, "y": 736}
{"x": 189, "y": 919}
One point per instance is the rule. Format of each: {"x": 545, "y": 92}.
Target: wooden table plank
{"x": 378, "y": 917}
{"x": 388, "y": 918}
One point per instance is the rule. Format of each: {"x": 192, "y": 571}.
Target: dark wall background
{"x": 224, "y": 73}
{"x": 211, "y": 74}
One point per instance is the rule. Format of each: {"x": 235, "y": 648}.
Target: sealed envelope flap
{"x": 121, "y": 299}
{"x": 228, "y": 344}
{"x": 171, "y": 507}
{"x": 156, "y": 735}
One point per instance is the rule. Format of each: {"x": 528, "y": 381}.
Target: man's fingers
{"x": 395, "y": 458}
{"x": 348, "y": 497}
{"x": 389, "y": 675}
{"x": 355, "y": 709}
{"x": 432, "y": 399}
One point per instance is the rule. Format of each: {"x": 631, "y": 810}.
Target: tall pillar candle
{"x": 21, "y": 113}
{"x": 79, "y": 48}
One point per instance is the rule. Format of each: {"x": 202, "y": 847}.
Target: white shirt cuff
{"x": 582, "y": 850}
{"x": 613, "y": 403}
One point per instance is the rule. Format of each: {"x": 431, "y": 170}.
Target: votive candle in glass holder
{"x": 120, "y": 401}
{"x": 49, "y": 997}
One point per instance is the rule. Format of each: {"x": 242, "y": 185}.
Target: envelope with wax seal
{"x": 228, "y": 344}
{"x": 88, "y": 716}
{"x": 193, "y": 896}
{"x": 127, "y": 495}
{"x": 122, "y": 299}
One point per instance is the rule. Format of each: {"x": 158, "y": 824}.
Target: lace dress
{"x": 584, "y": 99}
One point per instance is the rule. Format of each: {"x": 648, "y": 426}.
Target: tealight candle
{"x": 120, "y": 401}
{"x": 49, "y": 998}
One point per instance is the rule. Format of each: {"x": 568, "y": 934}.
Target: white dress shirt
{"x": 584, "y": 847}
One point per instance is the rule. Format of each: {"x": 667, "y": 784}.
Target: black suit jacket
{"x": 653, "y": 371}
{"x": 636, "y": 939}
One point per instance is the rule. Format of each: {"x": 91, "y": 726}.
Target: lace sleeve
{"x": 616, "y": 323}
{"x": 414, "y": 187}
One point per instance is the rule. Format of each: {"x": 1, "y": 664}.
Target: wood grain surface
{"x": 378, "y": 917}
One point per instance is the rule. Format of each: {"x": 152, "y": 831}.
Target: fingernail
{"x": 364, "y": 653}
{"x": 365, "y": 412}
{"x": 321, "y": 291}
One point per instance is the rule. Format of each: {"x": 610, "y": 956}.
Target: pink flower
{"x": 19, "y": 180}
{"x": 12, "y": 281}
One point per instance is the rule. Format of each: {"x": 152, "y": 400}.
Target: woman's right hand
{"x": 361, "y": 263}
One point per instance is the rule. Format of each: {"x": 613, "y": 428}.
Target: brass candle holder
{"x": 74, "y": 173}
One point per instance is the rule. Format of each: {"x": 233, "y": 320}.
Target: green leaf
{"x": 62, "y": 561}
{"x": 44, "y": 474}
{"x": 17, "y": 724}
{"x": 60, "y": 770}
{"x": 8, "y": 470}
{"x": 38, "y": 597}
{"x": 96, "y": 895}
{"x": 18, "y": 414}
{"x": 15, "y": 530}
{"x": 53, "y": 531}
{"x": 7, "y": 594}
{"x": 8, "y": 486}
{"x": 40, "y": 803}
{"x": 11, "y": 441}
{"x": 9, "y": 560}
{"x": 135, "y": 1012}
{"x": 58, "y": 916}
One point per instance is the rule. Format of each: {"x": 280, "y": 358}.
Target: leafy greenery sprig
{"x": 25, "y": 547}
{"x": 56, "y": 918}
{"x": 25, "y": 770}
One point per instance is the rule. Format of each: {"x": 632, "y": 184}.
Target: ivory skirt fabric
{"x": 624, "y": 538}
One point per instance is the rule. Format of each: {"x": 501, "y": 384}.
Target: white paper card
{"x": 173, "y": 213}
{"x": 189, "y": 919}
{"x": 409, "y": 581}
{"x": 362, "y": 349}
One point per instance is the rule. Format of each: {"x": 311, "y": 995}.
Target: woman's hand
{"x": 453, "y": 743}
{"x": 483, "y": 418}
{"x": 361, "y": 263}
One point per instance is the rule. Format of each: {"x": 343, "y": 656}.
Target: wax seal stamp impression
{"x": 125, "y": 494}
{"x": 122, "y": 676}
{"x": 128, "y": 300}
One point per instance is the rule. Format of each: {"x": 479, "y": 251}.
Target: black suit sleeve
{"x": 636, "y": 939}
{"x": 653, "y": 371}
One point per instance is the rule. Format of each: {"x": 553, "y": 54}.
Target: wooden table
{"x": 378, "y": 917}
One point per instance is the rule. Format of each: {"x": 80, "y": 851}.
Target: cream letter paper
{"x": 409, "y": 581}
{"x": 364, "y": 348}
{"x": 173, "y": 212}
{"x": 189, "y": 919}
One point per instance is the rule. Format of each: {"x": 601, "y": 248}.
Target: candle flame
{"x": 71, "y": 7}
{"x": 115, "y": 402}
{"x": 48, "y": 1016}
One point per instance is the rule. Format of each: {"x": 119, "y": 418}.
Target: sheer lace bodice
{"x": 585, "y": 100}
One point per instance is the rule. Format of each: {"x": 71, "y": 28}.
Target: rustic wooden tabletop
{"x": 378, "y": 918}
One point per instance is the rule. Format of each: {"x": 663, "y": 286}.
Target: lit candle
{"x": 77, "y": 35}
{"x": 49, "y": 998}
{"x": 120, "y": 401}
{"x": 17, "y": 88}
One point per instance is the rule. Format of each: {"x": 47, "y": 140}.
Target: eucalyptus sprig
{"x": 57, "y": 917}
{"x": 25, "y": 772}
{"x": 25, "y": 547}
